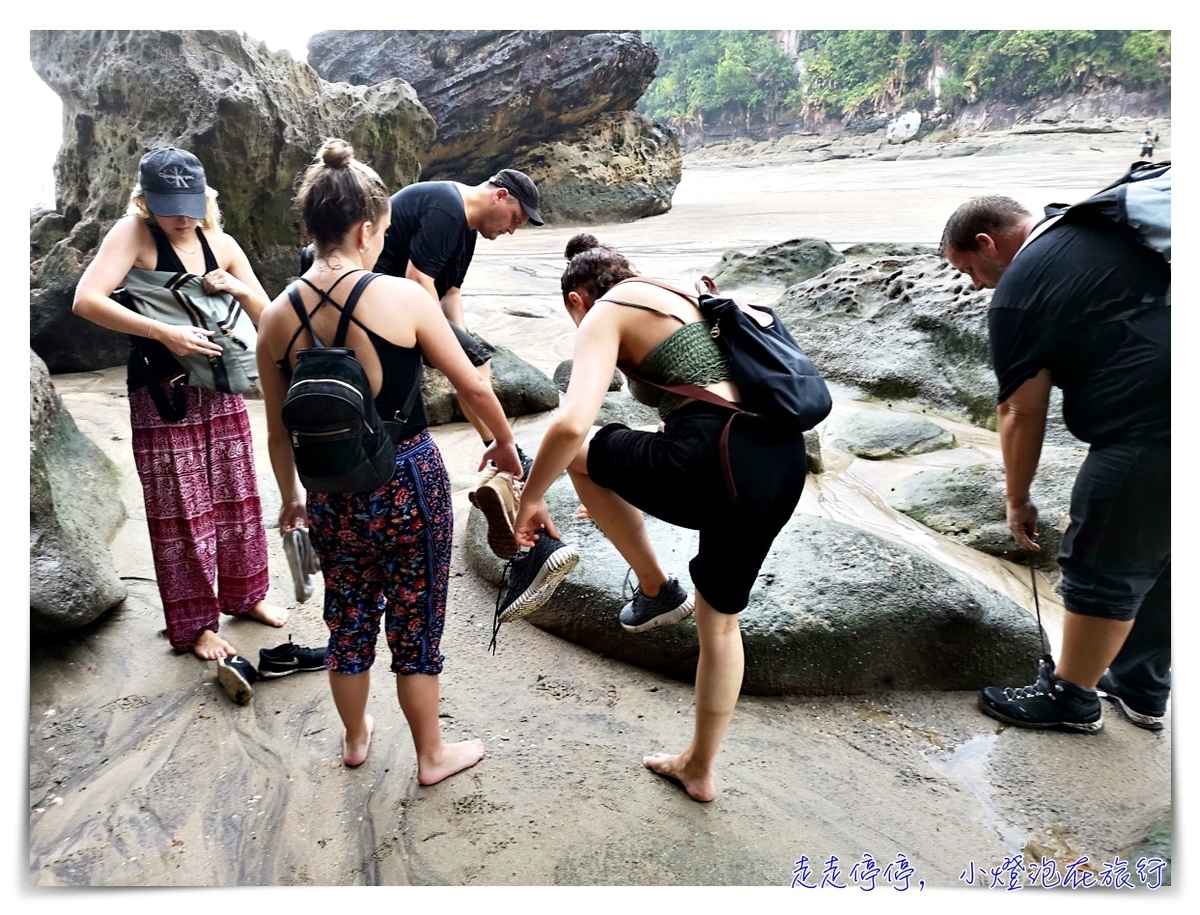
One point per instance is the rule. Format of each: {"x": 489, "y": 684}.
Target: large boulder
{"x": 75, "y": 509}
{"x": 904, "y": 329}
{"x": 879, "y": 435}
{"x": 784, "y": 264}
{"x": 835, "y": 610}
{"x": 521, "y": 388}
{"x": 253, "y": 117}
{"x": 557, "y": 105}
{"x": 967, "y": 505}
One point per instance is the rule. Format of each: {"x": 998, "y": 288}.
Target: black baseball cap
{"x": 173, "y": 183}
{"x": 522, "y": 187}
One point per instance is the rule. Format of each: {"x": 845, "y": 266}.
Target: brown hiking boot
{"x": 498, "y": 495}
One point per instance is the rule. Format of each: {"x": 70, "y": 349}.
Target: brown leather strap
{"x": 726, "y": 467}
{"x": 691, "y": 296}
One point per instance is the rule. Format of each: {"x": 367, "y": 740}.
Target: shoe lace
{"x": 505, "y": 576}
{"x": 629, "y": 591}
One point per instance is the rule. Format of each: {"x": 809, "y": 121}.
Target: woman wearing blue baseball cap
{"x": 197, "y": 472}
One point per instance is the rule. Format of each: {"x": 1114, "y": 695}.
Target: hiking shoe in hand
{"x": 670, "y": 605}
{"x": 1048, "y": 703}
{"x": 498, "y": 496}
{"x": 1107, "y": 688}
{"x": 237, "y": 676}
{"x": 300, "y": 558}
{"x": 532, "y": 577}
{"x": 288, "y": 659}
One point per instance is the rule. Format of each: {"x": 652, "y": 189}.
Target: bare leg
{"x": 209, "y": 646}
{"x": 1089, "y": 645}
{"x": 718, "y": 682}
{"x": 418, "y": 694}
{"x": 623, "y": 524}
{"x": 485, "y": 372}
{"x": 350, "y": 693}
{"x": 265, "y": 613}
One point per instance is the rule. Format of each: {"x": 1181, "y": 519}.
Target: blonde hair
{"x": 137, "y": 207}
{"x": 337, "y": 191}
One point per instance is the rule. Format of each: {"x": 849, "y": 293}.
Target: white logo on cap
{"x": 176, "y": 177}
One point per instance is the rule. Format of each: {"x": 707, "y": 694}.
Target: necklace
{"x": 183, "y": 250}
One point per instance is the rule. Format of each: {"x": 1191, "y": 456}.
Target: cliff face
{"x": 556, "y": 103}
{"x": 253, "y": 117}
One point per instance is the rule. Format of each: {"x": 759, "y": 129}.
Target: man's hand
{"x": 1022, "y": 521}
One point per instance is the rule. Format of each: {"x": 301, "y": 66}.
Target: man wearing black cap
{"x": 432, "y": 238}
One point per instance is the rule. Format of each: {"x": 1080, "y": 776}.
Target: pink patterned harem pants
{"x": 202, "y": 509}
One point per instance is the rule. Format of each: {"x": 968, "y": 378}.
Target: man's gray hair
{"x": 989, "y": 215}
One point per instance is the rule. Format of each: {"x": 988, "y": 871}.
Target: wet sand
{"x": 142, "y": 772}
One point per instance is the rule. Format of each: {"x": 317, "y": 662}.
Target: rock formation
{"x": 879, "y": 435}
{"x": 253, "y": 117}
{"x": 74, "y": 512}
{"x": 835, "y": 610}
{"x": 903, "y": 329}
{"x": 557, "y": 105}
{"x": 786, "y": 263}
{"x": 520, "y": 388}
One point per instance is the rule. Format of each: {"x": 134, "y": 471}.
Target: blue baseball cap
{"x": 173, "y": 183}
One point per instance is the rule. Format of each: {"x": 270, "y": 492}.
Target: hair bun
{"x": 580, "y": 243}
{"x": 336, "y": 153}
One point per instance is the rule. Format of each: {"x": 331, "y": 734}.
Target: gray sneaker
{"x": 671, "y": 605}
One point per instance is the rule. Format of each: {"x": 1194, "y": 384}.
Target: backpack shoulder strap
{"x": 657, "y": 311}
{"x": 339, "y": 338}
{"x": 690, "y": 296}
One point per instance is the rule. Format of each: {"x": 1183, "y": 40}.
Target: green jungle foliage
{"x": 743, "y": 76}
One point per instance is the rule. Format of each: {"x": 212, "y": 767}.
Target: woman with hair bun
{"x": 384, "y": 553}
{"x": 197, "y": 472}
{"x": 658, "y": 336}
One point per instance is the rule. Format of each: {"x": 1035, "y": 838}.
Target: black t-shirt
{"x": 429, "y": 229}
{"x": 1081, "y": 301}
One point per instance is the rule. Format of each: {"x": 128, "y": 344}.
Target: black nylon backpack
{"x": 339, "y": 443}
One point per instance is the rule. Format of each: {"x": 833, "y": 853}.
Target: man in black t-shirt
{"x": 431, "y": 240}
{"x": 1082, "y": 305}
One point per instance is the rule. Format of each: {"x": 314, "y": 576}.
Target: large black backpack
{"x": 339, "y": 443}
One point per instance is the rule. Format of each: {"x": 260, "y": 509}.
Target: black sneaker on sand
{"x": 288, "y": 659}
{"x": 670, "y": 605}
{"x": 1048, "y": 703}
{"x": 532, "y": 577}
{"x": 237, "y": 676}
{"x": 1108, "y": 689}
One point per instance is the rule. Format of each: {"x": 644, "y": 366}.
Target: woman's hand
{"x": 293, "y": 515}
{"x": 532, "y": 516}
{"x": 185, "y": 339}
{"x": 504, "y": 457}
{"x": 223, "y": 281}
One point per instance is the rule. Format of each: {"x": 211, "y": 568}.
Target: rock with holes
{"x": 835, "y": 610}
{"x": 879, "y": 435}
{"x": 75, "y": 509}
{"x": 967, "y": 505}
{"x": 253, "y": 117}
{"x": 783, "y": 264}
{"x": 904, "y": 329}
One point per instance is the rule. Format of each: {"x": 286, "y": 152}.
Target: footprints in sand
{"x": 125, "y": 704}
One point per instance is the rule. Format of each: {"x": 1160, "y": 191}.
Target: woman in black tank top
{"x": 384, "y": 553}
{"x": 189, "y": 465}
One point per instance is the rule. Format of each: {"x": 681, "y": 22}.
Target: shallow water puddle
{"x": 968, "y": 766}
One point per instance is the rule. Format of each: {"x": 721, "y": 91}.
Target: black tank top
{"x": 149, "y": 358}
{"x": 401, "y": 367}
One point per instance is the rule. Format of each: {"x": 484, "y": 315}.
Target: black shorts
{"x": 476, "y": 351}
{"x": 676, "y": 476}
{"x": 1119, "y": 539}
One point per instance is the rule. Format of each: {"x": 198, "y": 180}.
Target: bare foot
{"x": 354, "y": 752}
{"x": 454, "y": 758}
{"x": 211, "y": 646}
{"x": 265, "y": 613}
{"x": 698, "y": 787}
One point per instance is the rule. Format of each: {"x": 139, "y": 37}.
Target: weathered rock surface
{"x": 874, "y": 250}
{"x": 620, "y": 407}
{"x": 615, "y": 169}
{"x": 812, "y": 451}
{"x": 557, "y": 105}
{"x": 835, "y": 610}
{"x": 904, "y": 329}
{"x": 879, "y": 435}
{"x": 75, "y": 509}
{"x": 562, "y": 377}
{"x": 785, "y": 264}
{"x": 520, "y": 388}
{"x": 253, "y": 117}
{"x": 967, "y": 505}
